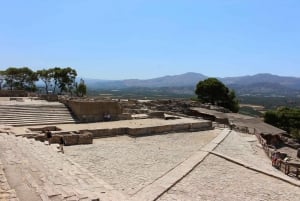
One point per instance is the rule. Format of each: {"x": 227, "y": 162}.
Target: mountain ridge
{"x": 191, "y": 79}
{"x": 263, "y": 84}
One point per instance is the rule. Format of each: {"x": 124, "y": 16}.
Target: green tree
{"x": 58, "y": 78}
{"x": 81, "y": 88}
{"x": 10, "y": 75}
{"x": 272, "y": 118}
{"x": 46, "y": 75}
{"x": 20, "y": 78}
{"x": 1, "y": 79}
{"x": 215, "y": 92}
{"x": 66, "y": 79}
{"x": 285, "y": 118}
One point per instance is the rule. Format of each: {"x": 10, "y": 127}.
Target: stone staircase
{"x": 51, "y": 175}
{"x": 35, "y": 114}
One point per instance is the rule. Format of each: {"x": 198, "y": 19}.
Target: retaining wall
{"x": 151, "y": 130}
{"x": 288, "y": 168}
{"x": 87, "y": 111}
{"x": 13, "y": 93}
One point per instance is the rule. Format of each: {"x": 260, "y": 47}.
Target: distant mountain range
{"x": 260, "y": 84}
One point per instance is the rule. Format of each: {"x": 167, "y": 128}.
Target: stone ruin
{"x": 70, "y": 138}
{"x": 90, "y": 110}
{"x": 273, "y": 141}
{"x": 276, "y": 142}
{"x": 152, "y": 107}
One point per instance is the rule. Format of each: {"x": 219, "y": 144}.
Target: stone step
{"x": 36, "y": 111}
{"x": 17, "y": 118}
{"x": 6, "y": 192}
{"x": 57, "y": 105}
{"x": 33, "y": 111}
{"x": 20, "y": 118}
{"x": 30, "y": 123}
{"x": 41, "y": 165}
{"x": 22, "y": 114}
{"x": 37, "y": 122}
{"x": 52, "y": 174}
{"x": 32, "y": 106}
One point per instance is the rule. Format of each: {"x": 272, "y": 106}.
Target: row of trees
{"x": 56, "y": 80}
{"x": 287, "y": 119}
{"x": 18, "y": 78}
{"x": 215, "y": 92}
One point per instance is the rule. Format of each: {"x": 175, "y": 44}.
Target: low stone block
{"x": 138, "y": 131}
{"x": 40, "y": 137}
{"x": 55, "y": 139}
{"x": 180, "y": 127}
{"x": 157, "y": 115}
{"x": 71, "y": 139}
{"x": 201, "y": 125}
{"x": 85, "y": 138}
{"x": 162, "y": 129}
{"x": 108, "y": 132}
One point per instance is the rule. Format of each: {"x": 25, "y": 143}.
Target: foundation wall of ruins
{"x": 99, "y": 133}
{"x": 199, "y": 126}
{"x": 49, "y": 97}
{"x": 86, "y": 111}
{"x": 144, "y": 131}
{"x": 13, "y": 93}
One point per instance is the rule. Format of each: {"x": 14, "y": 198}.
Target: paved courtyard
{"x": 220, "y": 180}
{"x": 217, "y": 164}
{"x": 132, "y": 163}
{"x": 129, "y": 165}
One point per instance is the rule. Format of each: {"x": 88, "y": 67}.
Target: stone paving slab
{"x": 129, "y": 164}
{"x": 244, "y": 174}
{"x": 246, "y": 149}
{"x": 6, "y": 192}
{"x": 220, "y": 180}
{"x": 161, "y": 185}
{"x": 53, "y": 175}
{"x": 254, "y": 167}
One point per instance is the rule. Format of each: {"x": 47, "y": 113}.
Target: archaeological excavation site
{"x": 140, "y": 150}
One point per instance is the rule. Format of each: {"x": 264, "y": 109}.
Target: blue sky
{"x": 121, "y": 39}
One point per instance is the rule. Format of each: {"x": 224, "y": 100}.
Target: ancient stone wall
{"x": 152, "y": 130}
{"x": 199, "y": 126}
{"x": 13, "y": 93}
{"x": 93, "y": 111}
{"x": 49, "y": 97}
{"x": 70, "y": 138}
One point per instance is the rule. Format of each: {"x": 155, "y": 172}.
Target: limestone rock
{"x": 71, "y": 139}
{"x": 85, "y": 138}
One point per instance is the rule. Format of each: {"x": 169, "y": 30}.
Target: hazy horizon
{"x": 143, "y": 39}
{"x": 179, "y": 75}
